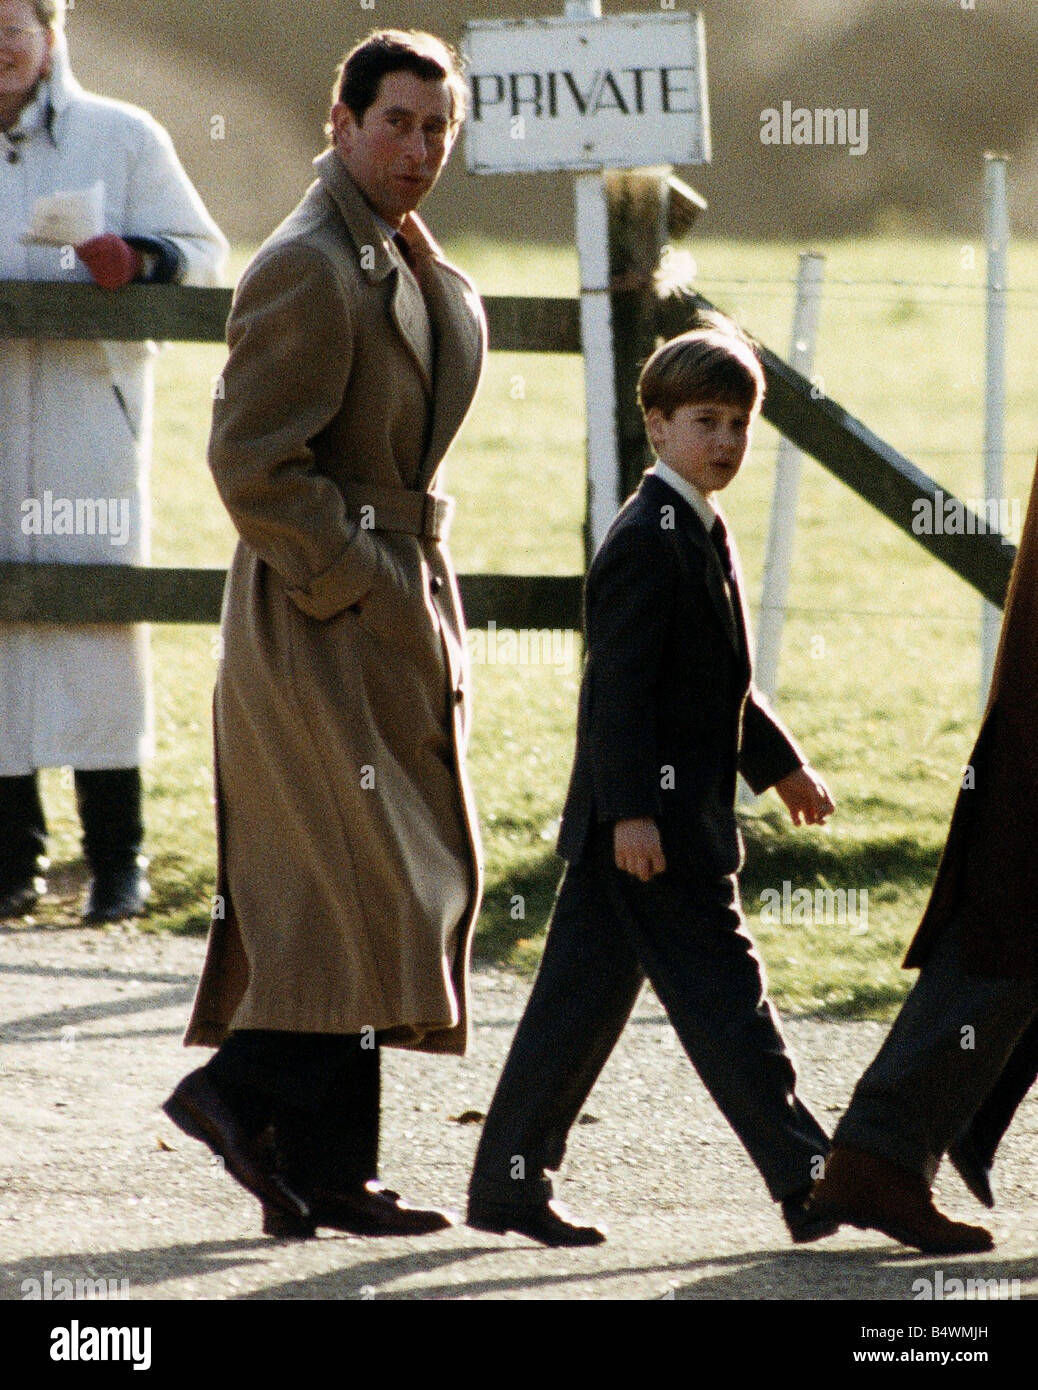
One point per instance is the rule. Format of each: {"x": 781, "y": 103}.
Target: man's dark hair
{"x": 360, "y": 73}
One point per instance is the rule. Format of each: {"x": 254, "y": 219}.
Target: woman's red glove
{"x": 111, "y": 261}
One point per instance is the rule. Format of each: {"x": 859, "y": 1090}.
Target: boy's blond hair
{"x": 713, "y": 361}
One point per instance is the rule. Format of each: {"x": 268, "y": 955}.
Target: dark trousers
{"x": 941, "y": 1059}
{"x": 320, "y": 1091}
{"x": 109, "y": 804}
{"x": 608, "y": 933}
{"x": 990, "y": 1122}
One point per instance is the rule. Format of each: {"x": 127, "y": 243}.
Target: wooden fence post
{"x": 637, "y": 235}
{"x": 646, "y": 208}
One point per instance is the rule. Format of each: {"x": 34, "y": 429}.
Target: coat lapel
{"x": 409, "y": 313}
{"x": 695, "y": 534}
{"x": 460, "y": 333}
{"x": 378, "y": 259}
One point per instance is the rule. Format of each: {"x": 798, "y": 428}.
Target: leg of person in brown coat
{"x": 303, "y": 1112}
{"x": 973, "y": 1153}
{"x": 941, "y": 1058}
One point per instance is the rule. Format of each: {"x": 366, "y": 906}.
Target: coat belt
{"x": 426, "y": 514}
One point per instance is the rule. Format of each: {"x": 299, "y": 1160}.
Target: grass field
{"x": 880, "y": 664}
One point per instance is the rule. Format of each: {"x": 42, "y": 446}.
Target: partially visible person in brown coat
{"x": 349, "y": 857}
{"x": 961, "y": 1054}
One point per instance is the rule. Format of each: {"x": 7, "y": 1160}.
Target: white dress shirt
{"x": 702, "y": 506}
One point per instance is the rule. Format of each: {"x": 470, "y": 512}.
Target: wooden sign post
{"x": 592, "y": 95}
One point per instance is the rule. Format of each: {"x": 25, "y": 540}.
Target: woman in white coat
{"x": 75, "y": 441}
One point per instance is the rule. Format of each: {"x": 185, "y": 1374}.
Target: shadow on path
{"x": 881, "y": 1273}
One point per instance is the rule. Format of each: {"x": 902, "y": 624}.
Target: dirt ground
{"x": 96, "y": 1183}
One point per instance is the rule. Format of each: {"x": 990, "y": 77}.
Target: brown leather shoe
{"x": 370, "y": 1209}
{"x": 199, "y": 1110}
{"x": 861, "y": 1189}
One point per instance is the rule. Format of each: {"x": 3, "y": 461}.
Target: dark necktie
{"x": 719, "y": 536}
{"x": 400, "y": 242}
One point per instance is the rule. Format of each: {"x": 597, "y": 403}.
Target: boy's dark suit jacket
{"x": 668, "y": 712}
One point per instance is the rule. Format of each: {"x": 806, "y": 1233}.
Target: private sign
{"x": 622, "y": 92}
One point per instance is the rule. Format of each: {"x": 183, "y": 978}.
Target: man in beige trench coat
{"x": 349, "y": 858}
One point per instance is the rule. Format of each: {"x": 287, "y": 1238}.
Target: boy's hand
{"x": 806, "y": 796}
{"x": 637, "y": 848}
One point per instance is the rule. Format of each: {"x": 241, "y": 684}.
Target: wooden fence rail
{"x": 80, "y": 594}
{"x": 872, "y": 468}
{"x": 179, "y": 313}
{"x": 74, "y": 594}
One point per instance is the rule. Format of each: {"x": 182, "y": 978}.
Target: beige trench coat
{"x": 350, "y": 868}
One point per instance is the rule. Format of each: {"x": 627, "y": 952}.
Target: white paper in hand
{"x": 67, "y": 219}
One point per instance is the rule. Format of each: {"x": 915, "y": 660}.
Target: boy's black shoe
{"x": 802, "y": 1223}
{"x": 551, "y": 1223}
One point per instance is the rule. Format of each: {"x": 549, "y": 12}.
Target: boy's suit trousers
{"x": 608, "y": 933}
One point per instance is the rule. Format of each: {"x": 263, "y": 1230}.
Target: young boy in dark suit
{"x": 668, "y": 714}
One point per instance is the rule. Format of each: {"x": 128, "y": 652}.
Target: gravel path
{"x": 96, "y": 1183}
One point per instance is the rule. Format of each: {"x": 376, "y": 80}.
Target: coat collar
{"x": 34, "y": 117}
{"x": 53, "y": 94}
{"x": 377, "y": 258}
{"x": 704, "y": 509}
{"x": 365, "y": 229}
{"x": 63, "y": 87}
{"x": 660, "y": 494}
{"x": 450, "y": 299}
